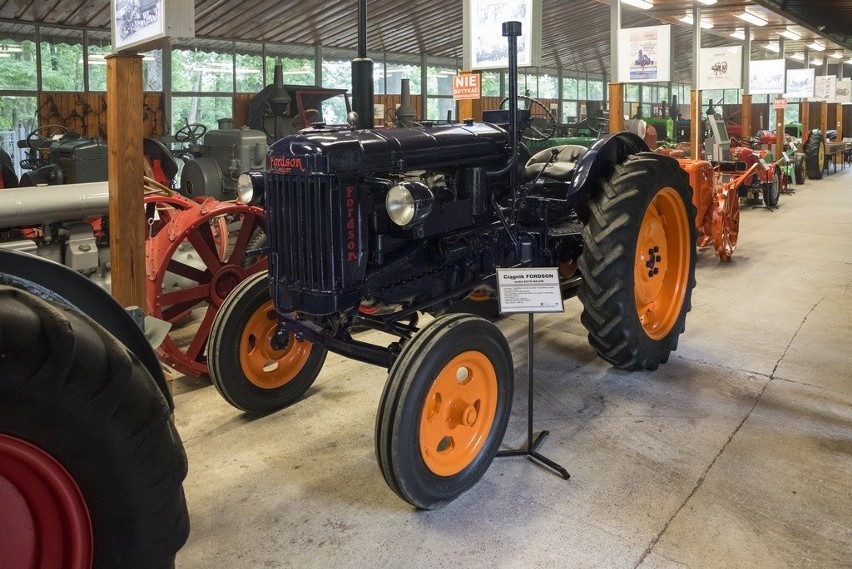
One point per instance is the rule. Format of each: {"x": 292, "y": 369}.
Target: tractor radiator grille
{"x": 307, "y": 231}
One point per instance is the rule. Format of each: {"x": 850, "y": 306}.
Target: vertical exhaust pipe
{"x": 405, "y": 114}
{"x": 362, "y": 74}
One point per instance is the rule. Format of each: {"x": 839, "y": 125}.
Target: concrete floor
{"x": 737, "y": 453}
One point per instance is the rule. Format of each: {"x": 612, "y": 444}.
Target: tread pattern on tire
{"x": 70, "y": 388}
{"x": 812, "y": 151}
{"x": 772, "y": 190}
{"x": 607, "y": 262}
{"x": 799, "y": 169}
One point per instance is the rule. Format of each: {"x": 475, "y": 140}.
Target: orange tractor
{"x": 718, "y": 185}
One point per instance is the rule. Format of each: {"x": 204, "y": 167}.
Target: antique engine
{"x": 224, "y": 154}
{"x": 73, "y": 160}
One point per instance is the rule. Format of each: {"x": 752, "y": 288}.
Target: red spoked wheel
{"x": 41, "y": 499}
{"x": 726, "y": 222}
{"x": 193, "y": 263}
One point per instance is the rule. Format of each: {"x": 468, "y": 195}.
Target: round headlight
{"x": 250, "y": 187}
{"x": 245, "y": 189}
{"x": 408, "y": 203}
{"x": 400, "y": 205}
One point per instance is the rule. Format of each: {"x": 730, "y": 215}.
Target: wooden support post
{"x": 616, "y": 107}
{"x": 696, "y": 126}
{"x": 126, "y": 213}
{"x": 465, "y": 107}
{"x": 839, "y": 121}
{"x": 746, "y": 117}
{"x": 823, "y": 120}
{"x": 805, "y": 117}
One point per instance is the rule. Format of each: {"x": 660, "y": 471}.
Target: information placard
{"x": 529, "y": 290}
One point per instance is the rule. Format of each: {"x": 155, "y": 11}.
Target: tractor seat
{"x": 559, "y": 168}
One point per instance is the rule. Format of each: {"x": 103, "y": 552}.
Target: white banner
{"x": 644, "y": 54}
{"x": 720, "y": 67}
{"x": 844, "y": 91}
{"x": 800, "y": 83}
{"x": 484, "y": 46}
{"x": 825, "y": 88}
{"x": 766, "y": 76}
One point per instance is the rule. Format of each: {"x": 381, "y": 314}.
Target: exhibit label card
{"x": 529, "y": 290}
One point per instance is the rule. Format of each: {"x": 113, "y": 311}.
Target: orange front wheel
{"x": 253, "y": 366}
{"x": 444, "y": 409}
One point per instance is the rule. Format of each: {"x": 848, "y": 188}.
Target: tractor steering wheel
{"x": 542, "y": 124}
{"x": 44, "y": 135}
{"x": 311, "y": 116}
{"x": 191, "y": 133}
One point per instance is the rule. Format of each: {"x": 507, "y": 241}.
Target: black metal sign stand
{"x": 532, "y": 445}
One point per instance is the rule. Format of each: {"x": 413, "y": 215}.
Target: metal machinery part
{"x": 717, "y": 207}
{"x": 225, "y": 154}
{"x": 192, "y": 263}
{"x": 66, "y": 224}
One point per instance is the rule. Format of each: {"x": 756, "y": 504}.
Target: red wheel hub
{"x": 45, "y": 522}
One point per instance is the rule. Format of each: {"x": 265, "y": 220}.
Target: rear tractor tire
{"x": 815, "y": 155}
{"x": 444, "y": 409}
{"x": 247, "y": 365}
{"x": 638, "y": 262}
{"x": 91, "y": 467}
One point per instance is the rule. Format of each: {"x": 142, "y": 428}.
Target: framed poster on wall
{"x": 766, "y": 76}
{"x": 844, "y": 91}
{"x": 800, "y": 83}
{"x": 825, "y": 88}
{"x": 720, "y": 67}
{"x": 140, "y": 25}
{"x": 644, "y": 54}
{"x": 484, "y": 46}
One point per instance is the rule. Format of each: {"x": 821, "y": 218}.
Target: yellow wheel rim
{"x": 662, "y": 262}
{"x": 264, "y": 365}
{"x": 458, "y": 413}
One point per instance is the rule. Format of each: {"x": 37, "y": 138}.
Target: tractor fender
{"x": 57, "y": 283}
{"x": 600, "y": 161}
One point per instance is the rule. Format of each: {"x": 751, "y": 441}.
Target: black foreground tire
{"x": 247, "y": 369}
{"x": 638, "y": 262}
{"x": 772, "y": 190}
{"x": 815, "y": 155}
{"x": 444, "y": 409}
{"x": 800, "y": 171}
{"x": 71, "y": 392}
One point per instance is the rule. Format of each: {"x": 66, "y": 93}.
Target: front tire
{"x": 772, "y": 190}
{"x": 444, "y": 409}
{"x": 800, "y": 171}
{"x": 638, "y": 262}
{"x": 79, "y": 414}
{"x": 247, "y": 367}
